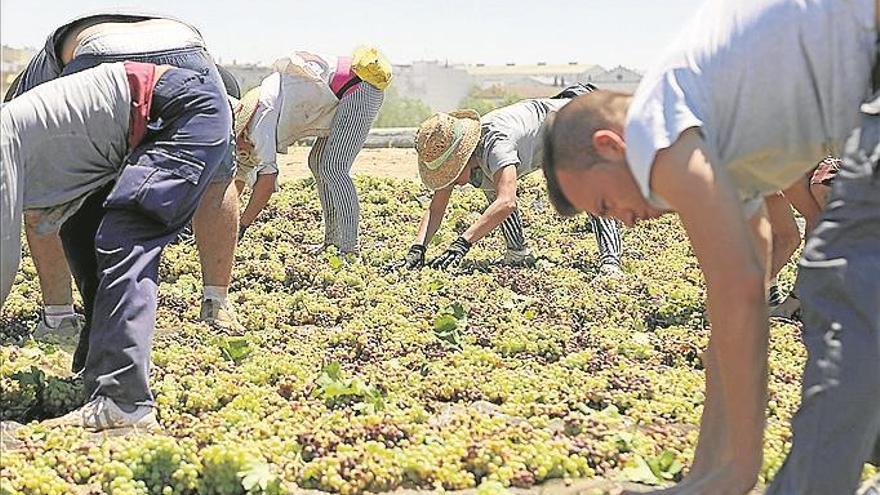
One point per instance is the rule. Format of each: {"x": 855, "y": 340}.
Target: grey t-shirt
{"x": 66, "y": 138}
{"x": 773, "y": 85}
{"x": 513, "y": 135}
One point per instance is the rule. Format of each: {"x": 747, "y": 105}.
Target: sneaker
{"x": 518, "y": 257}
{"x": 871, "y": 487}
{"x": 222, "y": 315}
{"x": 610, "y": 268}
{"x": 66, "y": 333}
{"x": 774, "y": 296}
{"x": 789, "y": 309}
{"x": 103, "y": 414}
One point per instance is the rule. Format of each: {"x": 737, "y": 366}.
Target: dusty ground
{"x": 385, "y": 162}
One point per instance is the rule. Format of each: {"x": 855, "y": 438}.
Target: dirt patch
{"x": 399, "y": 163}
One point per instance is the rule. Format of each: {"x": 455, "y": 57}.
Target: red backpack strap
{"x": 344, "y": 81}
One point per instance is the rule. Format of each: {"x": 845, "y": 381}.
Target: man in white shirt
{"x": 746, "y": 101}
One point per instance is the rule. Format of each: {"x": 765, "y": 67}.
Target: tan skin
{"x": 215, "y": 221}
{"x": 733, "y": 253}
{"x": 492, "y": 217}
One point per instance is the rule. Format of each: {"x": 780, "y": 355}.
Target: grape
{"x": 556, "y": 375}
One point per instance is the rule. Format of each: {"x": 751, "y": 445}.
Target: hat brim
{"x": 446, "y": 174}
{"x": 244, "y": 111}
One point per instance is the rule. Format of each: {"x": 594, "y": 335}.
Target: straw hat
{"x": 244, "y": 109}
{"x": 445, "y": 143}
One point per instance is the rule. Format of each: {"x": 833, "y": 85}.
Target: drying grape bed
{"x": 355, "y": 375}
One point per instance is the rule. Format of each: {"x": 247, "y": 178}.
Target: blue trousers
{"x": 837, "y": 427}
{"x": 114, "y": 242}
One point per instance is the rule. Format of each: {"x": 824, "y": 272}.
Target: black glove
{"x": 415, "y": 257}
{"x": 241, "y": 230}
{"x": 453, "y": 254}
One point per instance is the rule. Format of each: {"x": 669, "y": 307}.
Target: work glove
{"x": 519, "y": 257}
{"x": 453, "y": 254}
{"x": 415, "y": 257}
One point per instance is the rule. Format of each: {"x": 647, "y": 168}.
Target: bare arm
{"x": 799, "y": 195}
{"x": 433, "y": 216}
{"x": 500, "y": 209}
{"x": 260, "y": 194}
{"x": 722, "y": 241}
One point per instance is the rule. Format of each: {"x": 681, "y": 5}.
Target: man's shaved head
{"x": 568, "y": 138}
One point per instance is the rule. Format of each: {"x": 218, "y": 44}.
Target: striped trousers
{"x": 330, "y": 161}
{"x": 606, "y": 230}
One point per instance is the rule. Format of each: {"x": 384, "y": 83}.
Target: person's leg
{"x": 786, "y": 240}
{"x": 314, "y": 160}
{"x": 215, "y": 223}
{"x": 838, "y": 423}
{"x": 512, "y": 226}
{"x": 156, "y": 194}
{"x": 607, "y": 232}
{"x": 78, "y": 240}
{"x": 352, "y": 122}
{"x": 518, "y": 252}
{"x": 59, "y": 322}
{"x": 52, "y": 270}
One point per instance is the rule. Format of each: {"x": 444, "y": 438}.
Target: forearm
{"x": 494, "y": 215}
{"x": 800, "y": 196}
{"x": 260, "y": 194}
{"x": 739, "y": 347}
{"x": 428, "y": 227}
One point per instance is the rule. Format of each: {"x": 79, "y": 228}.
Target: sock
{"x": 54, "y": 314}
{"x": 215, "y": 293}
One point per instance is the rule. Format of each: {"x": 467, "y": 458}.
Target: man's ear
{"x": 609, "y": 145}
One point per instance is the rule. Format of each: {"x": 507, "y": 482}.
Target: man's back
{"x": 774, "y": 85}
{"x": 513, "y": 135}
{"x": 68, "y": 134}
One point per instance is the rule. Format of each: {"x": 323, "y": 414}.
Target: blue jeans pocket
{"x": 163, "y": 190}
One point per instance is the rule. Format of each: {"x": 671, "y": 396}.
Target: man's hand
{"x": 453, "y": 255}
{"x": 415, "y": 257}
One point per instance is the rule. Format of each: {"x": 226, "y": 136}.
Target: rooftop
{"x": 539, "y": 69}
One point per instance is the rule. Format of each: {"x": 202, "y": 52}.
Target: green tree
{"x": 486, "y": 100}
{"x": 398, "y": 111}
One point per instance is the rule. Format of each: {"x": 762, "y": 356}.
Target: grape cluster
{"x": 555, "y": 373}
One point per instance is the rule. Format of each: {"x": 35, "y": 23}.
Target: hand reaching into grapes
{"x": 415, "y": 257}
{"x": 453, "y": 254}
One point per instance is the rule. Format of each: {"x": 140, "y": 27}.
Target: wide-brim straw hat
{"x": 445, "y": 143}
{"x": 243, "y": 110}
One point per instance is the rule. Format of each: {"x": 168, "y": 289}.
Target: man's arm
{"x": 433, "y": 216}
{"x": 500, "y": 209}
{"x": 734, "y": 270}
{"x": 799, "y": 195}
{"x": 263, "y": 189}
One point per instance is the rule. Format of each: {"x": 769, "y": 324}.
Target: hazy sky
{"x": 605, "y": 32}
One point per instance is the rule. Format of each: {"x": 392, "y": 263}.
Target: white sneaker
{"x": 66, "y": 333}
{"x": 220, "y": 314}
{"x": 103, "y": 414}
{"x": 871, "y": 487}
